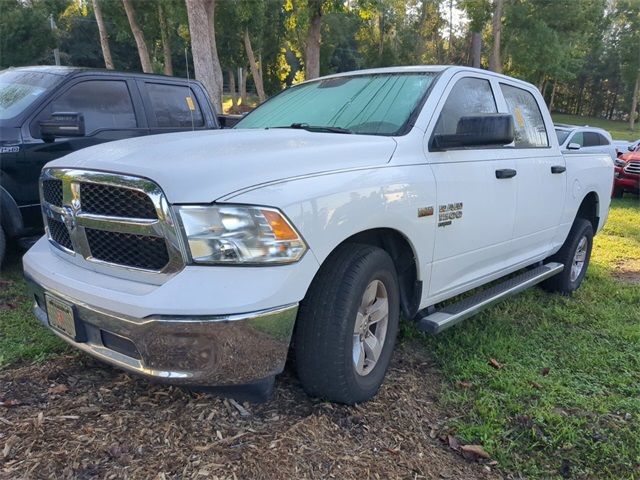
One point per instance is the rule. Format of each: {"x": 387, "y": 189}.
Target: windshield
{"x": 379, "y": 104}
{"x": 562, "y": 135}
{"x": 19, "y": 89}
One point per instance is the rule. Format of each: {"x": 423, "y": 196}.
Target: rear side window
{"x": 174, "y": 106}
{"x": 527, "y": 118}
{"x": 467, "y": 97}
{"x": 105, "y": 104}
{"x": 592, "y": 139}
{"x": 603, "y": 140}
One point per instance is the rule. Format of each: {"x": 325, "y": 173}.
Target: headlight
{"x": 220, "y": 234}
{"x": 619, "y": 163}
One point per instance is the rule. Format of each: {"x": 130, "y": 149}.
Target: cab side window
{"x": 578, "y": 138}
{"x": 530, "y": 131}
{"x": 468, "y": 96}
{"x": 174, "y": 106}
{"x": 106, "y": 104}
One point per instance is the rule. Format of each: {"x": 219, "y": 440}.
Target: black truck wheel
{"x": 574, "y": 255}
{"x": 347, "y": 325}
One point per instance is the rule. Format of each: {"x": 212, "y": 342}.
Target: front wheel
{"x": 347, "y": 325}
{"x": 574, "y": 255}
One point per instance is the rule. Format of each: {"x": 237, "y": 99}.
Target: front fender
{"x": 327, "y": 209}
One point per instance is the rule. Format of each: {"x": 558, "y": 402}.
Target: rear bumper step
{"x": 436, "y": 322}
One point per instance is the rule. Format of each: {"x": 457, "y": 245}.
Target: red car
{"x": 626, "y": 177}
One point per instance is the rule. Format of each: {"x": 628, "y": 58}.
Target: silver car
{"x": 573, "y": 139}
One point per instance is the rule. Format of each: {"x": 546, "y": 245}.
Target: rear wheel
{"x": 574, "y": 255}
{"x": 348, "y": 324}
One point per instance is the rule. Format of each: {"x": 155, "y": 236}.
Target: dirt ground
{"x": 73, "y": 417}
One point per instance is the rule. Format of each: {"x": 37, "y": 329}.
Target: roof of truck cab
{"x": 67, "y": 71}
{"x": 453, "y": 69}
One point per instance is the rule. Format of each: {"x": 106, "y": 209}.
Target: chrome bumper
{"x": 204, "y": 351}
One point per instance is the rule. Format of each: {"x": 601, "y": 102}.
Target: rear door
{"x": 174, "y": 107}
{"x": 541, "y": 179}
{"x": 476, "y": 209}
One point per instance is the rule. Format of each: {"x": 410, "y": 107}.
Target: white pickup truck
{"x": 201, "y": 258}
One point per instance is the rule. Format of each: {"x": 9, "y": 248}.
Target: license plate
{"x": 61, "y": 316}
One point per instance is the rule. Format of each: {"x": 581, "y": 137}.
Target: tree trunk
{"x": 634, "y": 103}
{"x": 104, "y": 36}
{"x": 143, "y": 52}
{"x": 232, "y": 90}
{"x": 476, "y": 49}
{"x": 256, "y": 72}
{"x": 243, "y": 88}
{"x": 166, "y": 41}
{"x": 312, "y": 45}
{"x": 495, "y": 59}
{"x": 203, "y": 48}
{"x": 553, "y": 95}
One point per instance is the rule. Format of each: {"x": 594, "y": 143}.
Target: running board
{"x": 436, "y": 322}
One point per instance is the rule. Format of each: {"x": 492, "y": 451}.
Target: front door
{"x": 476, "y": 196}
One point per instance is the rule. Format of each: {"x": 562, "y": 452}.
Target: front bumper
{"x": 189, "y": 350}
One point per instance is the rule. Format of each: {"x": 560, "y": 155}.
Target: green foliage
{"x": 25, "y": 34}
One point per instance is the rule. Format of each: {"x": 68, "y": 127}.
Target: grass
{"x": 618, "y": 130}
{"x": 582, "y": 419}
{"x": 22, "y": 338}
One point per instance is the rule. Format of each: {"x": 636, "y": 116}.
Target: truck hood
{"x": 200, "y": 167}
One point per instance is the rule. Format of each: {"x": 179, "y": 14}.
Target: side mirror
{"x": 478, "y": 131}
{"x": 631, "y": 148}
{"x": 573, "y": 146}
{"x": 63, "y": 124}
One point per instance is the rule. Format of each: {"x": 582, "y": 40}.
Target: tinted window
{"x": 527, "y": 118}
{"x": 591, "y": 139}
{"x": 367, "y": 104}
{"x": 562, "y": 135}
{"x": 174, "y": 106}
{"x": 603, "y": 140}
{"x": 106, "y": 104}
{"x": 578, "y": 138}
{"x": 468, "y": 96}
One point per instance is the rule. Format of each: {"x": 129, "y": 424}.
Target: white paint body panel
{"x": 332, "y": 186}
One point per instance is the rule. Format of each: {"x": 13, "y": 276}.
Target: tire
{"x": 567, "y": 281}
{"x": 3, "y": 245}
{"x": 325, "y": 341}
{"x": 617, "y": 193}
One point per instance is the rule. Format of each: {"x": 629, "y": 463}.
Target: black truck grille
{"x": 52, "y": 192}
{"x": 100, "y": 199}
{"x": 139, "y": 251}
{"x": 59, "y": 233}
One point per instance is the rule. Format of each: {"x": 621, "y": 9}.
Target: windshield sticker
{"x": 519, "y": 118}
{"x": 190, "y": 104}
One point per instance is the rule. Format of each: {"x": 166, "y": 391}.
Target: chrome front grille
{"x": 632, "y": 167}
{"x": 115, "y": 224}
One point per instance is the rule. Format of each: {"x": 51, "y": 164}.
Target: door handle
{"x": 558, "y": 169}
{"x": 506, "y": 173}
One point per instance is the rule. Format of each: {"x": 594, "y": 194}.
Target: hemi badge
{"x": 425, "y": 212}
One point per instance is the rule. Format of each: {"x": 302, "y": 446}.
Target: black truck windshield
{"x": 20, "y": 88}
{"x": 375, "y": 104}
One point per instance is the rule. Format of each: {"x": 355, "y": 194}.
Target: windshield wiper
{"x": 318, "y": 128}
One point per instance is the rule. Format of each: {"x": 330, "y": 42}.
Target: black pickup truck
{"x": 47, "y": 112}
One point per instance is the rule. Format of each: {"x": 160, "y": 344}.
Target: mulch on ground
{"x": 77, "y": 418}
